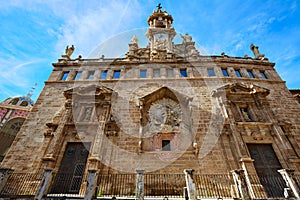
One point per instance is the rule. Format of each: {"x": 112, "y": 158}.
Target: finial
{"x": 159, "y": 7}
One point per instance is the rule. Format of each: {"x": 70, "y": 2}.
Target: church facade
{"x": 161, "y": 109}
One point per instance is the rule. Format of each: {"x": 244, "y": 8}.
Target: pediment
{"x": 164, "y": 92}
{"x": 241, "y": 89}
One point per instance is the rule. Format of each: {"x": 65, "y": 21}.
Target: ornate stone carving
{"x": 164, "y": 116}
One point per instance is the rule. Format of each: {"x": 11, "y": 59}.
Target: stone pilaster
{"x": 91, "y": 184}
{"x": 139, "y": 184}
{"x": 287, "y": 175}
{"x": 241, "y": 184}
{"x": 191, "y": 187}
{"x": 44, "y": 184}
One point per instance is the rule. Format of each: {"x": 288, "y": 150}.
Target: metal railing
{"x": 213, "y": 185}
{"x": 160, "y": 185}
{"x": 21, "y": 184}
{"x": 267, "y": 186}
{"x": 67, "y": 184}
{"x": 116, "y": 185}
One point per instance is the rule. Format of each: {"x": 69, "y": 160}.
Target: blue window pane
{"x": 103, "y": 74}
{"x": 117, "y": 74}
{"x": 250, "y": 74}
{"x": 78, "y": 74}
{"x": 238, "y": 73}
{"x": 183, "y": 73}
{"x": 90, "y": 75}
{"x": 263, "y": 75}
{"x": 225, "y": 73}
{"x": 143, "y": 73}
{"x": 211, "y": 72}
{"x": 64, "y": 76}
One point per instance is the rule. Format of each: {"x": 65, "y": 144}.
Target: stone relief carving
{"x": 164, "y": 116}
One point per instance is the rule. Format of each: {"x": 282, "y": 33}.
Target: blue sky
{"x": 34, "y": 33}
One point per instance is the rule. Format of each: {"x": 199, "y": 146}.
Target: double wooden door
{"x": 266, "y": 164}
{"x": 70, "y": 174}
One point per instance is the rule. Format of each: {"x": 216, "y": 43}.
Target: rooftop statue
{"x": 69, "y": 51}
{"x": 186, "y": 38}
{"x": 134, "y": 40}
{"x": 256, "y": 53}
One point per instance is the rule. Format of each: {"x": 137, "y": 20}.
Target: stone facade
{"x": 162, "y": 108}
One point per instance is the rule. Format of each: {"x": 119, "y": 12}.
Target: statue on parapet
{"x": 256, "y": 53}
{"x": 134, "y": 40}
{"x": 69, "y": 51}
{"x": 186, "y": 38}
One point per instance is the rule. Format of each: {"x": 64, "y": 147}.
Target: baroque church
{"x": 162, "y": 121}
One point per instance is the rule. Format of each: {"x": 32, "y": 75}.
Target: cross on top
{"x": 159, "y": 7}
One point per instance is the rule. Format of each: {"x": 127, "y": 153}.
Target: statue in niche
{"x": 88, "y": 114}
{"x": 256, "y": 53}
{"x": 69, "y": 51}
{"x": 186, "y": 38}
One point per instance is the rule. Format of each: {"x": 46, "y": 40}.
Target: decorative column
{"x": 287, "y": 175}
{"x": 4, "y": 175}
{"x": 44, "y": 184}
{"x": 191, "y": 187}
{"x": 91, "y": 184}
{"x": 240, "y": 183}
{"x": 139, "y": 184}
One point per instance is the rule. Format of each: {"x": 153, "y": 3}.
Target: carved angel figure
{"x": 69, "y": 51}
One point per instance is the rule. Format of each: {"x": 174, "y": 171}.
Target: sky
{"x": 35, "y": 33}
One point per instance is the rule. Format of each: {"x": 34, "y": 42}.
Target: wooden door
{"x": 70, "y": 174}
{"x": 266, "y": 164}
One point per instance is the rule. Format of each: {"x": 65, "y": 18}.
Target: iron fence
{"x": 67, "y": 184}
{"x": 213, "y": 185}
{"x": 171, "y": 185}
{"x": 22, "y": 184}
{"x": 116, "y": 185}
{"x": 267, "y": 186}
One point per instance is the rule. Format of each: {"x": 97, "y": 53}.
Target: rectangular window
{"x": 250, "y": 74}
{"x": 225, "y": 73}
{"x": 165, "y": 145}
{"x": 103, "y": 74}
{"x": 211, "y": 72}
{"x": 183, "y": 72}
{"x": 237, "y": 73}
{"x": 65, "y": 76}
{"x": 77, "y": 76}
{"x": 143, "y": 73}
{"x": 170, "y": 73}
{"x": 263, "y": 75}
{"x": 156, "y": 73}
{"x": 90, "y": 75}
{"x": 117, "y": 74}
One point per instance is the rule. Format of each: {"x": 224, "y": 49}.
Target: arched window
{"x": 8, "y": 134}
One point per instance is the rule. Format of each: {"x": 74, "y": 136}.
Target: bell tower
{"x": 160, "y": 34}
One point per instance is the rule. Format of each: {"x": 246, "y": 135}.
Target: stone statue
{"x": 256, "y": 53}
{"x": 69, "y": 51}
{"x": 134, "y": 40}
{"x": 186, "y": 38}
